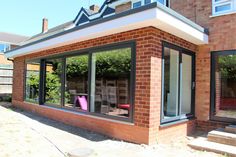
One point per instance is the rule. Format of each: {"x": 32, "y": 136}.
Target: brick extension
{"x": 146, "y": 128}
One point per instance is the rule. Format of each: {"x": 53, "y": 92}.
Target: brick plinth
{"x": 209, "y": 125}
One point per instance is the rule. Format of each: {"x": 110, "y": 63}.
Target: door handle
{"x": 193, "y": 85}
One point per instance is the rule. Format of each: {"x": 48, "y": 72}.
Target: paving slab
{"x": 24, "y": 134}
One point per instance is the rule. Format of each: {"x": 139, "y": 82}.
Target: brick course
{"x": 147, "y": 100}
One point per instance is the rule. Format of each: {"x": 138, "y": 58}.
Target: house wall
{"x": 123, "y": 7}
{"x": 6, "y": 70}
{"x": 221, "y": 29}
{"x": 146, "y": 127}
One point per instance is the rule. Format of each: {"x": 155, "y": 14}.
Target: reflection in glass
{"x": 32, "y": 81}
{"x": 177, "y": 88}
{"x": 76, "y": 87}
{"x": 147, "y": 1}
{"x": 171, "y": 80}
{"x": 137, "y": 4}
{"x": 53, "y": 81}
{"x": 225, "y": 86}
{"x": 161, "y": 1}
{"x": 110, "y": 82}
{"x": 186, "y": 84}
{"x": 222, "y": 8}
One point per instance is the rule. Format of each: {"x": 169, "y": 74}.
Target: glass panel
{"x": 76, "y": 87}
{"x": 186, "y": 84}
{"x": 6, "y": 80}
{"x": 222, "y": 1}
{"x": 6, "y": 89}
{"x": 161, "y": 1}
{"x": 137, "y": 4}
{"x": 4, "y": 47}
{"x": 222, "y": 8}
{"x": 147, "y": 1}
{"x": 32, "y": 81}
{"x": 6, "y": 72}
{"x": 225, "y": 86}
{"x": 110, "y": 82}
{"x": 53, "y": 81}
{"x": 171, "y": 81}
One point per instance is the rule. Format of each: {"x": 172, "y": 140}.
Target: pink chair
{"x": 124, "y": 106}
{"x": 83, "y": 102}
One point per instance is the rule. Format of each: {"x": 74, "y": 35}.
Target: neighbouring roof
{"x": 50, "y": 32}
{"x": 110, "y": 1}
{"x": 12, "y": 38}
{"x": 84, "y": 16}
{"x": 105, "y": 23}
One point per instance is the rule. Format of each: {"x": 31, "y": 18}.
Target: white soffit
{"x": 155, "y": 17}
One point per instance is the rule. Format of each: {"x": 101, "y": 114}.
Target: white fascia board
{"x": 152, "y": 17}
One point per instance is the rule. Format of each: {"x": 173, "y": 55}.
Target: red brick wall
{"x": 209, "y": 125}
{"x": 199, "y": 11}
{"x": 175, "y": 132}
{"x": 221, "y": 29}
{"x": 123, "y": 7}
{"x": 148, "y": 86}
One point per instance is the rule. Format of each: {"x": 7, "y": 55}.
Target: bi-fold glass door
{"x": 223, "y": 86}
{"x": 178, "y": 83}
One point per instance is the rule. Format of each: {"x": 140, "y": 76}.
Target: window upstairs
{"x": 139, "y": 3}
{"x": 221, "y": 7}
{"x": 4, "y": 47}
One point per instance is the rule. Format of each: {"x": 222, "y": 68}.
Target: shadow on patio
{"x": 89, "y": 135}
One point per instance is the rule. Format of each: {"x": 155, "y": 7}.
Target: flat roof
{"x": 154, "y": 14}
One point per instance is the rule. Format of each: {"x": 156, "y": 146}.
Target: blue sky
{"x": 25, "y": 16}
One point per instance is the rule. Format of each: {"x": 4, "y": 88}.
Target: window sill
{"x": 223, "y": 14}
{"x": 175, "y": 123}
{"x": 88, "y": 114}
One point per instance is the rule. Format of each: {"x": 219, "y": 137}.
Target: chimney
{"x": 45, "y": 25}
{"x": 94, "y": 8}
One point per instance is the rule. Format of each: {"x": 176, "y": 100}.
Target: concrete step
{"x": 203, "y": 144}
{"x": 220, "y": 136}
{"x": 231, "y": 129}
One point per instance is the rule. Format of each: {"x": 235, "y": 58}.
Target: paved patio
{"x": 24, "y": 134}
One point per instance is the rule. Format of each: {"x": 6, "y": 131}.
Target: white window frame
{"x": 142, "y": 3}
{"x": 221, "y": 3}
